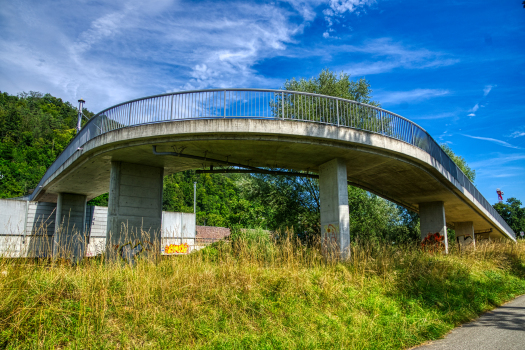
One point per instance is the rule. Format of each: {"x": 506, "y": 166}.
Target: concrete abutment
{"x": 335, "y": 215}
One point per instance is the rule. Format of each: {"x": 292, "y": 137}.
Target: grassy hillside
{"x": 257, "y": 295}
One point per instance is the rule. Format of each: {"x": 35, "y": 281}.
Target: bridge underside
{"x": 389, "y": 168}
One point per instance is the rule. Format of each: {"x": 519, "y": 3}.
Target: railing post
{"x": 337, "y": 110}
{"x": 131, "y": 104}
{"x": 171, "y": 112}
{"x": 282, "y": 105}
{"x": 224, "y": 113}
{"x": 382, "y": 124}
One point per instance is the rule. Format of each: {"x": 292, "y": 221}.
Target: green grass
{"x": 258, "y": 295}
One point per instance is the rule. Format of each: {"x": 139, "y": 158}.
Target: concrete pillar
{"x": 465, "y": 234}
{"x": 70, "y": 237}
{"x": 432, "y": 220}
{"x": 135, "y": 209}
{"x": 335, "y": 216}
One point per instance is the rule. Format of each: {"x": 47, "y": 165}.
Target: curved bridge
{"x": 250, "y": 129}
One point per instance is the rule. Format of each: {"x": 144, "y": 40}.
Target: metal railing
{"x": 265, "y": 104}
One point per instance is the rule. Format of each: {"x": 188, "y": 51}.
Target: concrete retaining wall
{"x": 27, "y": 229}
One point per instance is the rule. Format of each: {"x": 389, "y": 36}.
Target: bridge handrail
{"x": 265, "y": 104}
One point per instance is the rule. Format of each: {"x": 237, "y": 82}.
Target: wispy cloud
{"x": 410, "y": 96}
{"x": 127, "y": 49}
{"x": 444, "y": 115}
{"x": 388, "y": 55}
{"x": 502, "y": 159}
{"x": 499, "y": 142}
{"x": 486, "y": 91}
{"x": 517, "y": 134}
{"x": 504, "y": 175}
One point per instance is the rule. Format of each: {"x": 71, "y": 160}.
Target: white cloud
{"x": 499, "y": 142}
{"x": 339, "y": 7}
{"x": 503, "y": 159}
{"x": 111, "y": 52}
{"x": 444, "y": 115}
{"x": 487, "y": 90}
{"x": 410, "y": 96}
{"x": 506, "y": 175}
{"x": 387, "y": 55}
{"x": 517, "y": 134}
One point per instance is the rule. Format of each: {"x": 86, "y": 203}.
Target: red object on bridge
{"x": 500, "y": 194}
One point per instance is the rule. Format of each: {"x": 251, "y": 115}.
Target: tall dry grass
{"x": 255, "y": 292}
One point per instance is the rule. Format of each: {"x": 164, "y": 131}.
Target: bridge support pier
{"x": 335, "y": 216}
{"x": 135, "y": 210}
{"x": 70, "y": 238}
{"x": 465, "y": 234}
{"x": 432, "y": 220}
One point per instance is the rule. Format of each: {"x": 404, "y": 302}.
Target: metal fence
{"x": 266, "y": 104}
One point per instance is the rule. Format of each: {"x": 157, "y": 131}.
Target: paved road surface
{"x": 500, "y": 329}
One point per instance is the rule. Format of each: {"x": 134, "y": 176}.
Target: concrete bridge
{"x": 128, "y": 149}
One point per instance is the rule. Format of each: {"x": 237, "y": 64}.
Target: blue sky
{"x": 454, "y": 67}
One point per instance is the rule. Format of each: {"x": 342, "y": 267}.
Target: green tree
{"x": 460, "y": 162}
{"x": 34, "y": 130}
{"x": 297, "y": 106}
{"x": 512, "y": 213}
{"x": 283, "y": 201}
{"x": 330, "y": 84}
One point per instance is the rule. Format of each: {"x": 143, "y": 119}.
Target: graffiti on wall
{"x": 433, "y": 243}
{"x": 129, "y": 251}
{"x": 176, "y": 248}
{"x": 329, "y": 236}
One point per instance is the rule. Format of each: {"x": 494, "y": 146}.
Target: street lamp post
{"x": 195, "y": 197}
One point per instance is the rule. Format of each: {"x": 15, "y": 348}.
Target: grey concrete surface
{"x": 178, "y": 225}
{"x": 70, "y": 234}
{"x": 12, "y": 216}
{"x": 37, "y": 240}
{"x": 335, "y": 217}
{"x": 465, "y": 234}
{"x": 500, "y": 329}
{"x": 432, "y": 220}
{"x": 387, "y": 167}
{"x": 135, "y": 204}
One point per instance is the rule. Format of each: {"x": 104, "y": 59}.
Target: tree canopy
{"x": 34, "y": 130}
{"x": 460, "y": 162}
{"x": 512, "y": 213}
{"x": 330, "y": 84}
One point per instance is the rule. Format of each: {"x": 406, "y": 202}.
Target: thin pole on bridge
{"x": 79, "y": 121}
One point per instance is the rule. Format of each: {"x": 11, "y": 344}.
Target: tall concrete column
{"x": 70, "y": 238}
{"x": 465, "y": 233}
{"x": 432, "y": 220}
{"x": 135, "y": 209}
{"x": 335, "y": 216}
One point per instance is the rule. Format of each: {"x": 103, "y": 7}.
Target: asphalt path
{"x": 501, "y": 329}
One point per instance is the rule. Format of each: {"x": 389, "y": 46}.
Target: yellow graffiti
{"x": 330, "y": 233}
{"x": 176, "y": 248}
